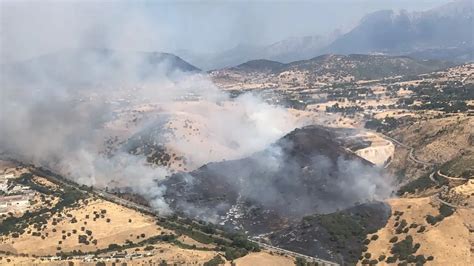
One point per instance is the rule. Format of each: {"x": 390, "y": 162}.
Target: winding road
{"x": 412, "y": 157}
{"x": 437, "y": 196}
{"x": 411, "y": 154}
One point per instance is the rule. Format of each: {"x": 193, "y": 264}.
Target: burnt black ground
{"x": 307, "y": 173}
{"x": 336, "y": 236}
{"x": 299, "y": 175}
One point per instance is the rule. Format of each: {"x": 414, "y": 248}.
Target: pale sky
{"x": 31, "y": 28}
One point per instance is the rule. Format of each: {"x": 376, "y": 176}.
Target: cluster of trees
{"x": 170, "y": 238}
{"x": 347, "y": 232}
{"x": 347, "y": 110}
{"x": 420, "y": 184}
{"x": 234, "y": 245}
{"x": 404, "y": 250}
{"x": 445, "y": 106}
{"x": 351, "y": 93}
{"x": 444, "y": 211}
{"x": 26, "y": 179}
{"x": 446, "y": 96}
{"x": 382, "y": 125}
{"x": 216, "y": 261}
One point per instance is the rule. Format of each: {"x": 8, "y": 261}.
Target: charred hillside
{"x": 305, "y": 172}
{"x": 339, "y": 236}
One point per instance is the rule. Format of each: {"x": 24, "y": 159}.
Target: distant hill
{"x": 462, "y": 54}
{"x": 261, "y": 65}
{"x": 288, "y": 50}
{"x": 387, "y": 31}
{"x": 367, "y": 66}
{"x": 92, "y": 66}
{"x": 297, "y": 48}
{"x": 357, "y": 66}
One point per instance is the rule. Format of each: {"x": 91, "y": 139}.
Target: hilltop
{"x": 299, "y": 175}
{"x": 325, "y": 69}
{"x": 96, "y": 67}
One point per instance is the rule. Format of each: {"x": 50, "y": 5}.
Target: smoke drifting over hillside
{"x": 55, "y": 109}
{"x": 303, "y": 173}
{"x": 62, "y": 121}
{"x": 58, "y": 109}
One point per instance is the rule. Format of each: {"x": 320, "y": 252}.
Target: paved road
{"x": 411, "y": 155}
{"x": 437, "y": 196}
{"x": 294, "y": 254}
{"x": 451, "y": 177}
{"x": 432, "y": 178}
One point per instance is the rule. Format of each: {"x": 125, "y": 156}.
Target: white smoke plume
{"x": 74, "y": 77}
{"x": 59, "y": 107}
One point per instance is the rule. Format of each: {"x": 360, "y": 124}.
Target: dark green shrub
{"x": 391, "y": 260}
{"x": 404, "y": 248}
{"x": 421, "y": 229}
{"x": 217, "y": 260}
{"x": 413, "y": 225}
{"x": 420, "y": 259}
{"x": 445, "y": 210}
{"x": 431, "y": 219}
{"x": 234, "y": 253}
{"x": 148, "y": 248}
{"x": 411, "y": 259}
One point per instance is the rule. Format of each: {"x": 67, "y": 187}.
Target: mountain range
{"x": 393, "y": 32}
{"x": 437, "y": 33}
{"x": 288, "y": 50}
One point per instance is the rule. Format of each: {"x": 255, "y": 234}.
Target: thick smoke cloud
{"x": 57, "y": 110}
{"x": 304, "y": 173}
{"x": 61, "y": 121}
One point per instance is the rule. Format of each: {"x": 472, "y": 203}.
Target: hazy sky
{"x": 204, "y": 26}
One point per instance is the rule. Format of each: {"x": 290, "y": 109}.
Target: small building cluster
{"x": 14, "y": 198}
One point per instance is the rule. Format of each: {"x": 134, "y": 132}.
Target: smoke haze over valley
{"x": 255, "y": 132}
{"x": 87, "y": 101}
{"x": 60, "y": 109}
